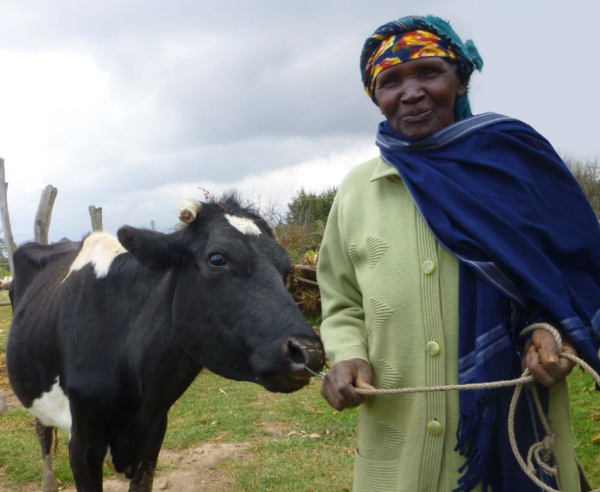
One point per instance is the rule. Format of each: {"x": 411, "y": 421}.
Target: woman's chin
{"x": 419, "y": 126}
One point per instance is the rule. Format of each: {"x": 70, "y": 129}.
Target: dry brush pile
{"x": 300, "y": 232}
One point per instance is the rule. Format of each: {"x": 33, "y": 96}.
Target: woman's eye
{"x": 217, "y": 260}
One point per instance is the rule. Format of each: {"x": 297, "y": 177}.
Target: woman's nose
{"x": 412, "y": 91}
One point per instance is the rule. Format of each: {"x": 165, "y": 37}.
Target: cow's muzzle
{"x": 304, "y": 356}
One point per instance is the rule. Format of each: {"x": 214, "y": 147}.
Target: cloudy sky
{"x": 132, "y": 105}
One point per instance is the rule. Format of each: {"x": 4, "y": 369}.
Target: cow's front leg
{"x": 144, "y": 477}
{"x": 86, "y": 462}
{"x": 44, "y": 435}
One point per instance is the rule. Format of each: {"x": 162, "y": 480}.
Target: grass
{"x": 5, "y": 317}
{"x": 216, "y": 409}
{"x": 285, "y": 458}
{"x": 585, "y": 420}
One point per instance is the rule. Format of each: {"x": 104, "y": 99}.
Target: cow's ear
{"x": 152, "y": 249}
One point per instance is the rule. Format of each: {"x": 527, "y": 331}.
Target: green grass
{"x": 278, "y": 426}
{"x": 5, "y": 317}
{"x": 20, "y": 455}
{"x": 214, "y": 408}
{"x": 297, "y": 463}
{"x": 315, "y": 319}
{"x": 585, "y": 420}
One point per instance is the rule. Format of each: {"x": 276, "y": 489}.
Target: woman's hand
{"x": 340, "y": 381}
{"x": 543, "y": 361}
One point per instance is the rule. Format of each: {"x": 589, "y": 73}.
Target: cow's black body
{"x": 125, "y": 346}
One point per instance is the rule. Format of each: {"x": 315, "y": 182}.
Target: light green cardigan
{"x": 388, "y": 290}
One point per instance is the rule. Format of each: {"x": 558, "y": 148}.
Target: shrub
{"x": 309, "y": 207}
{"x": 588, "y": 175}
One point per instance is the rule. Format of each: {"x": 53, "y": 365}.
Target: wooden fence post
{"x": 3, "y": 405}
{"x": 8, "y": 237}
{"x": 96, "y": 215}
{"x": 44, "y": 214}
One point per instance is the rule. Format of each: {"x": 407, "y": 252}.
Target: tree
{"x": 4, "y": 270}
{"x": 308, "y": 207}
{"x": 588, "y": 175}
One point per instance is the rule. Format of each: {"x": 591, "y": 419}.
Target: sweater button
{"x": 434, "y": 428}
{"x": 433, "y": 348}
{"x": 428, "y": 267}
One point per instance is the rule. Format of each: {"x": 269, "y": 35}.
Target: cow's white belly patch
{"x": 99, "y": 250}
{"x": 52, "y": 408}
{"x": 245, "y": 226}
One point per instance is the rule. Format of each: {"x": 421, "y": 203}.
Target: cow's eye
{"x": 217, "y": 260}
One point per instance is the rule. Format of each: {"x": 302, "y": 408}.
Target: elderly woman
{"x": 437, "y": 254}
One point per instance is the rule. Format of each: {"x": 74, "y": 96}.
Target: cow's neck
{"x": 137, "y": 303}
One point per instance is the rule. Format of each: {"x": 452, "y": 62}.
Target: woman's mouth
{"x": 417, "y": 116}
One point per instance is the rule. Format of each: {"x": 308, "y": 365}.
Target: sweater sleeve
{"x": 343, "y": 329}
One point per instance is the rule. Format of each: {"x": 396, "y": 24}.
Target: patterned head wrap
{"x": 416, "y": 37}
{"x": 401, "y": 48}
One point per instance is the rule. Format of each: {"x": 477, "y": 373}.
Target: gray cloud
{"x": 221, "y": 91}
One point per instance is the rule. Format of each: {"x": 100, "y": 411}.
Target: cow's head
{"x": 231, "y": 310}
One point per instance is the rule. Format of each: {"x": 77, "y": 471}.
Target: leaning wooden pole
{"x": 44, "y": 214}
{"x": 8, "y": 237}
{"x": 3, "y": 406}
{"x": 96, "y": 215}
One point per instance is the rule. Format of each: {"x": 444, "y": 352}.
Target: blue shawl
{"x": 496, "y": 195}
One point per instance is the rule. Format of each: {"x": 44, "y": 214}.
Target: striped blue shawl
{"x": 497, "y": 196}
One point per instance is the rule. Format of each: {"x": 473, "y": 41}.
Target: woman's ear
{"x": 463, "y": 85}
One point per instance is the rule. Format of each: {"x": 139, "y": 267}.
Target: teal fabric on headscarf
{"x": 467, "y": 54}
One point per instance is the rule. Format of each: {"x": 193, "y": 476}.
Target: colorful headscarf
{"x": 401, "y": 48}
{"x": 416, "y": 37}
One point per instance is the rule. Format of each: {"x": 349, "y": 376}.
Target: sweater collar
{"x": 383, "y": 170}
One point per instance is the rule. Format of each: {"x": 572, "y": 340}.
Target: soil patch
{"x": 4, "y": 385}
{"x": 274, "y": 429}
{"x": 12, "y": 402}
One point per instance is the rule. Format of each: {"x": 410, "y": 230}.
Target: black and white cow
{"x": 108, "y": 333}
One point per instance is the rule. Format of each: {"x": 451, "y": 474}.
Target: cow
{"x": 109, "y": 332}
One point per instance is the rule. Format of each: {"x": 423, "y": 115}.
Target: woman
{"x": 436, "y": 255}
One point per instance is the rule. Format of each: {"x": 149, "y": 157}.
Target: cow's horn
{"x": 188, "y": 209}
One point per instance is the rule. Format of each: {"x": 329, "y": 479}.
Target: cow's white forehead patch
{"x": 99, "y": 249}
{"x": 52, "y": 408}
{"x": 245, "y": 226}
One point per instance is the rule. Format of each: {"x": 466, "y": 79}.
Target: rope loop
{"x": 541, "y": 451}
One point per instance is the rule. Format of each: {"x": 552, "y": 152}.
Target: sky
{"x": 133, "y": 105}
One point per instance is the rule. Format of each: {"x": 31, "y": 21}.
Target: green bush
{"x": 304, "y": 224}
{"x": 588, "y": 176}
{"x": 309, "y": 207}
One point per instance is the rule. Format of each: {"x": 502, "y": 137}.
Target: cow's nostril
{"x": 297, "y": 353}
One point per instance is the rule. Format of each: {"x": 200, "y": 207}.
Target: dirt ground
{"x": 3, "y": 376}
{"x": 12, "y": 402}
{"x": 6, "y": 394}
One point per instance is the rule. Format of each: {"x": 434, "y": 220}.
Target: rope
{"x": 540, "y": 452}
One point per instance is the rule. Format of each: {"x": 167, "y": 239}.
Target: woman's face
{"x": 417, "y": 97}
